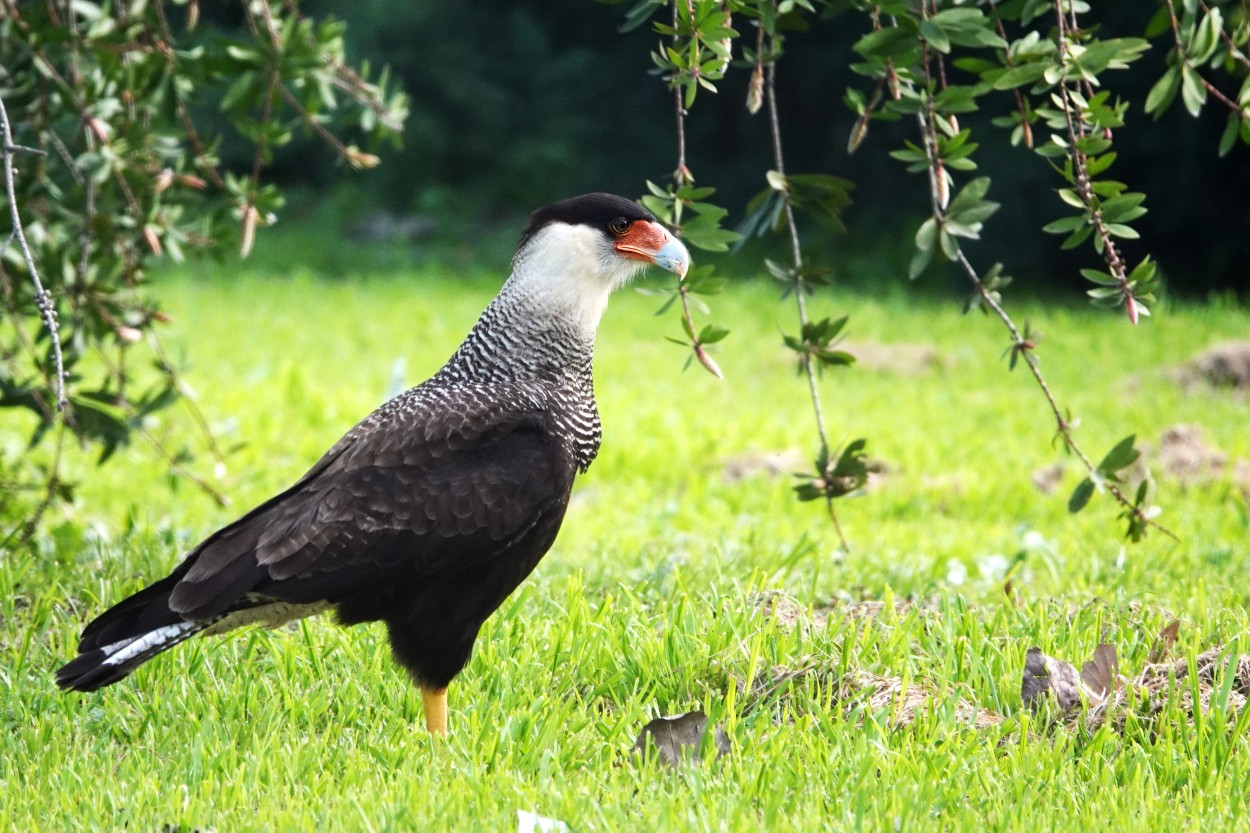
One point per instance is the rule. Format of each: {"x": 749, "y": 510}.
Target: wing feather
{"x": 406, "y": 494}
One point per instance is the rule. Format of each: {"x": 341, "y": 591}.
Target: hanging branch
{"x": 1022, "y": 347}
{"x": 685, "y": 179}
{"x": 796, "y": 255}
{"x": 43, "y": 298}
{"x": 827, "y": 486}
{"x": 1084, "y": 187}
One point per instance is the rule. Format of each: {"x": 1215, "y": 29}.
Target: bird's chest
{"x": 580, "y": 431}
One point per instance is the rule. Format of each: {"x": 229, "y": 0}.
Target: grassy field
{"x": 651, "y": 602}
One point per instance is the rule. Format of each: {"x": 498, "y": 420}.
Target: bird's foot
{"x": 435, "y": 702}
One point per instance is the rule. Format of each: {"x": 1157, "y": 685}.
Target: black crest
{"x": 595, "y": 210}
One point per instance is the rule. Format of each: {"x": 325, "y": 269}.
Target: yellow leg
{"x": 435, "y": 702}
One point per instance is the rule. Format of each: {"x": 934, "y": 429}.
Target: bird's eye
{"x": 619, "y": 226}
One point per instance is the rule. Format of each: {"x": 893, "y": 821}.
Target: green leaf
{"x": 1193, "y": 91}
{"x": 1100, "y": 278}
{"x": 1020, "y": 76}
{"x": 1143, "y": 273}
{"x": 886, "y": 42}
{"x": 926, "y": 235}
{"x": 1105, "y": 293}
{"x": 1081, "y": 495}
{"x": 1229, "y": 137}
{"x": 1122, "y": 455}
{"x": 712, "y": 333}
{"x": 1206, "y": 37}
{"x": 971, "y": 194}
{"x": 1163, "y": 92}
{"x": 1071, "y": 198}
{"x": 935, "y": 36}
{"x": 1065, "y": 224}
{"x": 919, "y": 262}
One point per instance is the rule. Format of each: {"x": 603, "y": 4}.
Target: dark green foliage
{"x": 114, "y": 97}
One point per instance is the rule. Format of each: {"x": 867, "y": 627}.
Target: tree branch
{"x": 1021, "y": 345}
{"x": 43, "y": 299}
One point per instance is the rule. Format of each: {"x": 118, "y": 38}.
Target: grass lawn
{"x": 650, "y": 602}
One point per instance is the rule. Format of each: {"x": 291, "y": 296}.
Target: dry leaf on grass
{"x": 677, "y": 740}
{"x": 1100, "y": 694}
{"x": 1165, "y": 641}
{"x": 1100, "y": 675}
{"x": 1046, "y": 675}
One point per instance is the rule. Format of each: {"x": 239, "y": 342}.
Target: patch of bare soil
{"x": 1099, "y": 693}
{"x": 1046, "y": 480}
{"x": 1182, "y": 456}
{"x": 1185, "y": 456}
{"x": 774, "y": 464}
{"x": 901, "y": 359}
{"x": 1223, "y": 365}
{"x": 770, "y": 464}
{"x": 791, "y": 613}
{"x": 860, "y": 691}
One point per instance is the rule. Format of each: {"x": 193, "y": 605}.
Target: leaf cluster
{"x": 119, "y": 98}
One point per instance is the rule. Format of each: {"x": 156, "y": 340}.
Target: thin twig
{"x": 177, "y": 468}
{"x": 1026, "y": 129}
{"x": 188, "y": 125}
{"x": 683, "y": 176}
{"x": 352, "y": 158}
{"x": 43, "y": 299}
{"x": 796, "y": 253}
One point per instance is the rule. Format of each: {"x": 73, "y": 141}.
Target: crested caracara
{"x": 434, "y": 508}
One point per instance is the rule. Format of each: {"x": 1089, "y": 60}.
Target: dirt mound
{"x": 1224, "y": 365}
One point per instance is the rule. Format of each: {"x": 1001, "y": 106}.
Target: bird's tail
{"x": 125, "y": 636}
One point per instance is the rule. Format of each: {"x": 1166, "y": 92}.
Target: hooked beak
{"x": 651, "y": 243}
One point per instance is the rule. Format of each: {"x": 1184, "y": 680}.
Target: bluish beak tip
{"x": 673, "y": 257}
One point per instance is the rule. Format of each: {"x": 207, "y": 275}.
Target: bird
{"x": 435, "y": 507}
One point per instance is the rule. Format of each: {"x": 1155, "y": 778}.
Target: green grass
{"x": 647, "y": 604}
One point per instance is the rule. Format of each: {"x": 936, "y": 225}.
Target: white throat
{"x": 567, "y": 272}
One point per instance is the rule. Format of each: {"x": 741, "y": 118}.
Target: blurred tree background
{"x": 525, "y": 101}
{"x": 515, "y": 104}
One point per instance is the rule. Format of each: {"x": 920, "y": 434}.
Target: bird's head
{"x": 575, "y": 252}
{"x": 606, "y": 237}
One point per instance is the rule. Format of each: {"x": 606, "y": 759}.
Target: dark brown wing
{"x": 421, "y": 487}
